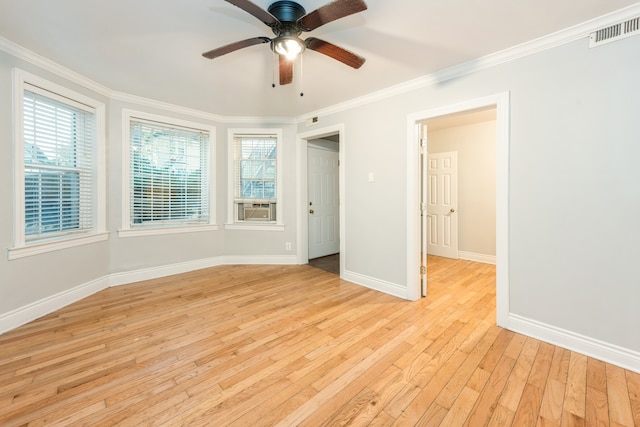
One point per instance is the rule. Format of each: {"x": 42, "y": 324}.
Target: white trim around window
{"x": 93, "y": 196}
{"x": 131, "y": 230}
{"x": 232, "y": 222}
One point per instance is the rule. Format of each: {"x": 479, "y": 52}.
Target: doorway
{"x": 461, "y": 193}
{"x": 320, "y": 189}
{"x": 322, "y": 193}
{"x": 416, "y": 270}
{"x": 323, "y": 203}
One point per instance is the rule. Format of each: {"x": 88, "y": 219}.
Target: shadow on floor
{"x": 329, "y": 263}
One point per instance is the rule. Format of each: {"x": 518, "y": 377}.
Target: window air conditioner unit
{"x": 257, "y": 213}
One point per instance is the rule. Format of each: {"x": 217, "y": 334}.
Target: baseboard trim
{"x": 607, "y": 352}
{"x": 472, "y": 256}
{"x": 376, "y": 284}
{"x": 261, "y": 259}
{"x": 35, "y": 310}
{"x": 127, "y": 277}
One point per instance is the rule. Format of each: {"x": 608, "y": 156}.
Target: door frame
{"x": 501, "y": 101}
{"x": 302, "y": 140}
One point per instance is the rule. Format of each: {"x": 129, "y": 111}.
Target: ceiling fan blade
{"x": 256, "y": 11}
{"x": 335, "y": 52}
{"x": 286, "y": 70}
{"x": 330, "y": 12}
{"x": 235, "y": 46}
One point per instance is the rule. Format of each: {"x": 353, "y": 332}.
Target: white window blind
{"x": 59, "y": 135}
{"x": 255, "y": 169}
{"x": 169, "y": 170}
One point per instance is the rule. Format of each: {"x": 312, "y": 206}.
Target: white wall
{"x": 476, "y": 147}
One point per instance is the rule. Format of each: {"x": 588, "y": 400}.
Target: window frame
{"x": 23, "y": 247}
{"x": 232, "y": 212}
{"x": 129, "y": 230}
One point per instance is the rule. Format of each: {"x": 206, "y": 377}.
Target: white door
{"x": 442, "y": 203}
{"x": 323, "y": 205}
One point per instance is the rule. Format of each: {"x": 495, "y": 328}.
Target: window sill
{"x": 254, "y": 227}
{"x": 44, "y": 247}
{"x": 137, "y": 232}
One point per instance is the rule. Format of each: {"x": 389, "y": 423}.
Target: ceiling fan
{"x": 288, "y": 20}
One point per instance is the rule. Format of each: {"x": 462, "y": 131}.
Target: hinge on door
{"x": 423, "y": 270}
{"x": 423, "y": 142}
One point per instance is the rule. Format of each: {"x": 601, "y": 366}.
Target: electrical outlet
{"x": 287, "y": 246}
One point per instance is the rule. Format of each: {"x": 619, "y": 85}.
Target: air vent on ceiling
{"x": 615, "y": 32}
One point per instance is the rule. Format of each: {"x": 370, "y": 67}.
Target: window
{"x": 59, "y": 166}
{"x": 255, "y": 176}
{"x": 168, "y": 182}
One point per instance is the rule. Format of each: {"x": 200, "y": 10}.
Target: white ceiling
{"x": 152, "y": 48}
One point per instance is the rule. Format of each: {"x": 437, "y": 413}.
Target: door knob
{"x": 311, "y": 211}
{"x": 452, "y": 210}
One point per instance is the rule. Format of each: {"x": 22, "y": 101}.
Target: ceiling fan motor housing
{"x": 287, "y": 11}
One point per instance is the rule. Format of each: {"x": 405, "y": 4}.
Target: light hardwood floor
{"x": 294, "y": 345}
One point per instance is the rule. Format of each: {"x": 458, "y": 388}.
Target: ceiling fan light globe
{"x": 289, "y": 47}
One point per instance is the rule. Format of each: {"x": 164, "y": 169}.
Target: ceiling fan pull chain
{"x": 301, "y": 78}
{"x": 273, "y": 69}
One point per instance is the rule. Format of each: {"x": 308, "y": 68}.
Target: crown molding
{"x": 46, "y": 64}
{"x": 257, "y": 120}
{"x": 148, "y": 102}
{"x": 507, "y": 55}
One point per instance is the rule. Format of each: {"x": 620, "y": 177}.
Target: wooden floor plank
{"x": 460, "y": 409}
{"x": 618, "y": 396}
{"x": 576, "y": 389}
{"x": 295, "y": 345}
{"x": 487, "y": 402}
{"x": 529, "y": 406}
{"x": 510, "y": 398}
{"x": 528, "y": 410}
{"x": 597, "y": 411}
{"x": 552, "y": 401}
